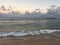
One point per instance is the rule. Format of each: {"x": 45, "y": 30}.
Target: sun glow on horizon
{"x": 21, "y": 10}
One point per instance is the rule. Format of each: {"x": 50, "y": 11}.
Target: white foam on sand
{"x": 23, "y": 33}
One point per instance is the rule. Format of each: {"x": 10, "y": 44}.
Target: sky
{"x": 29, "y": 5}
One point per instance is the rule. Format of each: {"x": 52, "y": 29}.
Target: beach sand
{"x": 30, "y": 40}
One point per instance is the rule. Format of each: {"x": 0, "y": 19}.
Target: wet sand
{"x": 30, "y": 40}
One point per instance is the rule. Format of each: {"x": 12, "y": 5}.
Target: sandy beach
{"x": 30, "y": 40}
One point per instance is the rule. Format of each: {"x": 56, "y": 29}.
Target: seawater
{"x": 17, "y": 27}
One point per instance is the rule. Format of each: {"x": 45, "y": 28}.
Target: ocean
{"x": 17, "y": 27}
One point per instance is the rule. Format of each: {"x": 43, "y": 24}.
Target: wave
{"x": 23, "y": 33}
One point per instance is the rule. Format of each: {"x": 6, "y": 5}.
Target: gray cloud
{"x": 2, "y": 7}
{"x": 53, "y": 12}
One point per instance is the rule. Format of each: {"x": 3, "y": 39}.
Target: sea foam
{"x": 23, "y": 33}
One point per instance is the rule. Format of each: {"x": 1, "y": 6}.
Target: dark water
{"x": 18, "y": 25}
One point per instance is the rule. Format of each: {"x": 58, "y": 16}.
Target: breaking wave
{"x": 23, "y": 33}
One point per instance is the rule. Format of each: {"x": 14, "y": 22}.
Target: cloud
{"x": 3, "y": 7}
{"x": 53, "y": 12}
